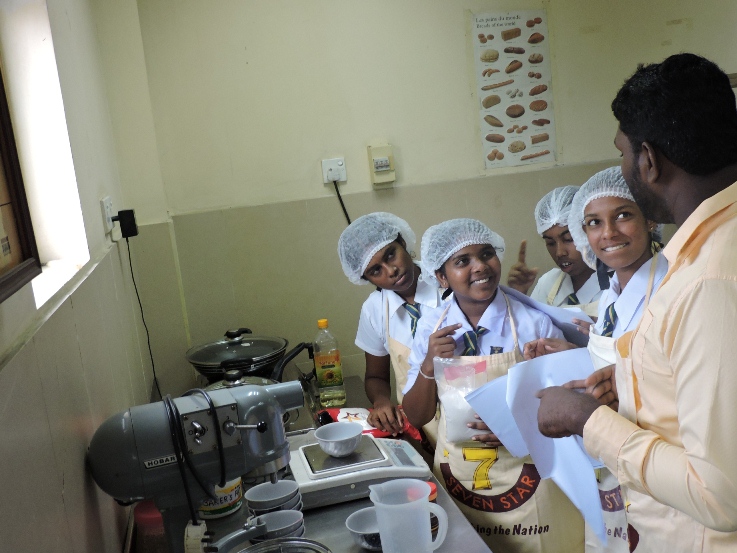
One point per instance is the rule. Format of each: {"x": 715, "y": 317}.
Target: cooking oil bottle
{"x": 328, "y": 368}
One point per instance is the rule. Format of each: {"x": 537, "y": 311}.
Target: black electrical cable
{"x": 148, "y": 336}
{"x": 218, "y": 433}
{"x": 168, "y": 406}
{"x": 335, "y": 183}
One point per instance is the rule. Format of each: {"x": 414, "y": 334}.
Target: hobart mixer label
{"x": 160, "y": 461}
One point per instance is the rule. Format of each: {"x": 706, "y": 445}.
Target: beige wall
{"x": 248, "y": 97}
{"x": 210, "y": 119}
{"x": 66, "y": 367}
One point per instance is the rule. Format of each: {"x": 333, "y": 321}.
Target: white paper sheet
{"x": 562, "y": 459}
{"x": 562, "y": 316}
{"x": 490, "y": 403}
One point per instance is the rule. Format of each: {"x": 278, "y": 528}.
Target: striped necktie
{"x": 414, "y": 314}
{"x": 471, "y": 339}
{"x": 610, "y": 320}
{"x": 572, "y": 299}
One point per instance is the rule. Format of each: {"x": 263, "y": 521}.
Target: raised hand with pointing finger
{"x": 521, "y": 276}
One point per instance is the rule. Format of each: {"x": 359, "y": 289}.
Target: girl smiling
{"x": 496, "y": 492}
{"x": 607, "y": 225}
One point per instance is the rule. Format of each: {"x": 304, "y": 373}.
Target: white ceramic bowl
{"x": 294, "y": 503}
{"x": 268, "y": 496}
{"x": 364, "y": 528}
{"x": 339, "y": 439}
{"x": 280, "y": 524}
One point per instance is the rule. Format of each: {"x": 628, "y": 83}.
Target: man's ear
{"x": 442, "y": 279}
{"x": 649, "y": 163}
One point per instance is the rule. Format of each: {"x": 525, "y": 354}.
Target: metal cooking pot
{"x": 253, "y": 355}
{"x": 235, "y": 377}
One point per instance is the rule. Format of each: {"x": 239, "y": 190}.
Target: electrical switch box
{"x": 381, "y": 165}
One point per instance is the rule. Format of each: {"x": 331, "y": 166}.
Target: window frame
{"x": 30, "y": 266}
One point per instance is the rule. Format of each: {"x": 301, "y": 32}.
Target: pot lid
{"x": 237, "y": 347}
{"x": 235, "y": 378}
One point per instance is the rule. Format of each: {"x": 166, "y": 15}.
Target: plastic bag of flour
{"x": 455, "y": 377}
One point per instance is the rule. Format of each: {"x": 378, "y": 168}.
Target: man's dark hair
{"x": 684, "y": 107}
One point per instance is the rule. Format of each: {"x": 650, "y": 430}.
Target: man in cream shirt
{"x": 664, "y": 419}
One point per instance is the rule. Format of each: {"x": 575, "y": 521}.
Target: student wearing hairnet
{"x": 610, "y": 230}
{"x": 502, "y": 496}
{"x": 375, "y": 249}
{"x": 572, "y": 282}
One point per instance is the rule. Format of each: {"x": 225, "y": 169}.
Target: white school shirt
{"x": 531, "y": 325}
{"x": 629, "y": 303}
{"x": 588, "y": 293}
{"x": 371, "y": 335}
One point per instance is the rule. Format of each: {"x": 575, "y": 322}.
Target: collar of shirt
{"x": 691, "y": 226}
{"x": 426, "y": 294}
{"x": 590, "y": 290}
{"x": 492, "y": 319}
{"x": 633, "y": 294}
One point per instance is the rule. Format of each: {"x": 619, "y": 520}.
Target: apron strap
{"x": 554, "y": 290}
{"x": 386, "y": 316}
{"x": 511, "y": 321}
{"x": 442, "y": 316}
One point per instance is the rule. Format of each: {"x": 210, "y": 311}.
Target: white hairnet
{"x": 553, "y": 208}
{"x": 367, "y": 235}
{"x": 604, "y": 184}
{"x": 441, "y": 241}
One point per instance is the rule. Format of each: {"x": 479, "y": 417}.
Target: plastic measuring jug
{"x": 403, "y": 513}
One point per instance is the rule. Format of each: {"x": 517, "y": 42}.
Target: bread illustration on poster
{"x": 514, "y": 88}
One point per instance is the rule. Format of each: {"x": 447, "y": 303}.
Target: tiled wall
{"x": 80, "y": 367}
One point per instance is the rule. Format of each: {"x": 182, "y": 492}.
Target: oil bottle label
{"x": 329, "y": 369}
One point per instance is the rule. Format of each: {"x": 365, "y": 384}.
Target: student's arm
{"x": 420, "y": 401}
{"x": 377, "y": 384}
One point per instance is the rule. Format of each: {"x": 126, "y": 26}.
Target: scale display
{"x": 325, "y": 480}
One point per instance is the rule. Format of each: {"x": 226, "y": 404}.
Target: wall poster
{"x": 514, "y": 87}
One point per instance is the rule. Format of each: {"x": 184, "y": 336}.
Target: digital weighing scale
{"x": 325, "y": 480}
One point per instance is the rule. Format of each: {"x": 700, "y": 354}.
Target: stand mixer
{"x": 175, "y": 451}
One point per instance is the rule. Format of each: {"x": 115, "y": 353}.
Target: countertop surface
{"x": 326, "y": 525}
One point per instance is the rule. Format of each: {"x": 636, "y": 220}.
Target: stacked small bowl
{"x": 279, "y": 506}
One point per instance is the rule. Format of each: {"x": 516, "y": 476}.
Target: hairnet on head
{"x": 367, "y": 235}
{"x": 604, "y": 184}
{"x": 441, "y": 241}
{"x": 553, "y": 208}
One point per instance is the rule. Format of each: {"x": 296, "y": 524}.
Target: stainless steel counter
{"x": 326, "y": 525}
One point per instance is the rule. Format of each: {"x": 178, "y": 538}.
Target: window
{"x": 19, "y": 260}
{"x": 34, "y": 101}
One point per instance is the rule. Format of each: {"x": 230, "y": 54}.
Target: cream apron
{"x": 503, "y": 497}
{"x": 603, "y": 352}
{"x": 591, "y": 309}
{"x": 399, "y": 355}
{"x": 660, "y": 528}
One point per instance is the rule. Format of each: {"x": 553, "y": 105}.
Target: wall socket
{"x": 334, "y": 170}
{"x": 106, "y": 205}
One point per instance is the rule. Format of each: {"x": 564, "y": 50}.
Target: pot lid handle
{"x": 233, "y": 375}
{"x": 237, "y": 333}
